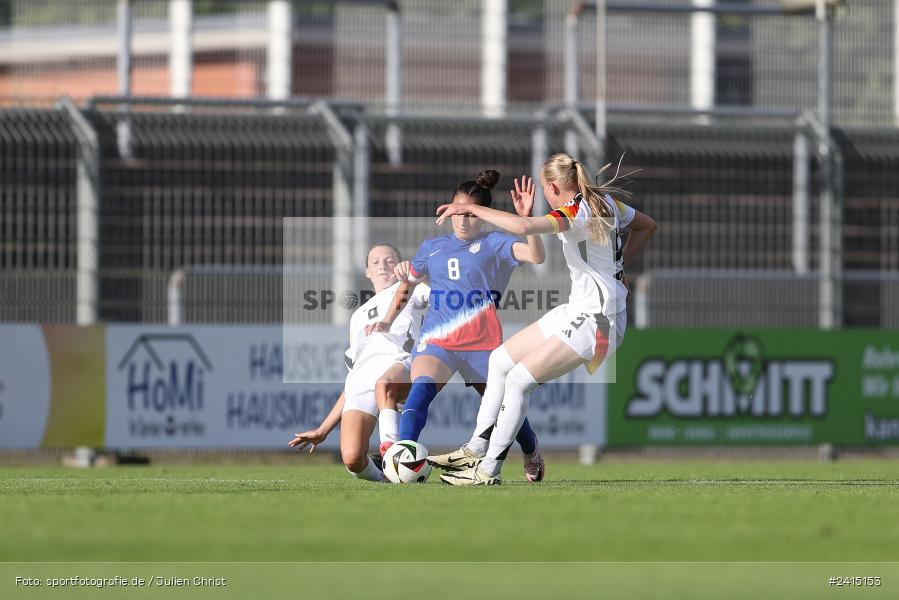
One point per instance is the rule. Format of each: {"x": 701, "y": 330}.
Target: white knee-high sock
{"x": 499, "y": 366}
{"x": 370, "y": 473}
{"x": 519, "y": 385}
{"x": 388, "y": 425}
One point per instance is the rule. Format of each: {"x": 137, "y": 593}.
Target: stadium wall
{"x": 144, "y": 386}
{"x": 139, "y": 386}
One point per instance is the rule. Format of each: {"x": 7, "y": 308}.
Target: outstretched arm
{"x": 514, "y": 224}
{"x": 314, "y": 437}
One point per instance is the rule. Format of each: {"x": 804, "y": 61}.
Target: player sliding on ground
{"x": 466, "y": 270}
{"x": 379, "y": 370}
{"x": 589, "y": 223}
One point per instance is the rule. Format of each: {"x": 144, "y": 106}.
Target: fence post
{"x": 538, "y": 157}
{"x": 341, "y": 238}
{"x": 592, "y": 144}
{"x": 280, "y": 42}
{"x": 175, "y": 296}
{"x": 831, "y": 257}
{"x": 343, "y": 273}
{"x": 88, "y": 189}
{"x": 123, "y": 64}
{"x": 830, "y": 252}
{"x": 641, "y": 300}
{"x": 572, "y": 72}
{"x": 394, "y": 83}
{"x": 181, "y": 52}
{"x": 123, "y": 68}
{"x": 493, "y": 57}
{"x": 361, "y": 170}
{"x": 87, "y": 278}
{"x": 702, "y": 57}
{"x": 601, "y": 123}
{"x": 800, "y": 202}
{"x": 896, "y": 61}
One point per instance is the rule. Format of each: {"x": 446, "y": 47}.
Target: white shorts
{"x": 592, "y": 335}
{"x": 359, "y": 389}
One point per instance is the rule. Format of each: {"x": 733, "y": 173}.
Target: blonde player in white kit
{"x": 379, "y": 370}
{"x": 581, "y": 332}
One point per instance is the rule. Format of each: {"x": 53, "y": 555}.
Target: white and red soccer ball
{"x": 407, "y": 462}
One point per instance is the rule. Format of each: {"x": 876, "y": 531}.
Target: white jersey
{"x": 403, "y": 331}
{"x": 595, "y": 268}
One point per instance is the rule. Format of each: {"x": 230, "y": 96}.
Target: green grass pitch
{"x": 648, "y": 524}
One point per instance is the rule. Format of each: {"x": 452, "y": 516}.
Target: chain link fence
{"x": 198, "y": 200}
{"x": 38, "y": 161}
{"x": 656, "y": 54}
{"x": 110, "y": 210}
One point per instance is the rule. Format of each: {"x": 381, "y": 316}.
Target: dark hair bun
{"x": 487, "y": 179}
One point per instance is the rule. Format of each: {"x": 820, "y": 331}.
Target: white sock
{"x": 498, "y": 367}
{"x": 519, "y": 385}
{"x": 388, "y": 425}
{"x": 370, "y": 473}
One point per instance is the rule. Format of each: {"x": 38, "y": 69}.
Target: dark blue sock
{"x": 415, "y": 413}
{"x": 526, "y": 438}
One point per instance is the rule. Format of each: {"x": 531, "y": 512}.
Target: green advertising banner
{"x": 755, "y": 387}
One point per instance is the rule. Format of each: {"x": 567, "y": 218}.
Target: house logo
{"x": 164, "y": 385}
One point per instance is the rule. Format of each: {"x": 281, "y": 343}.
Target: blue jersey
{"x": 466, "y": 279}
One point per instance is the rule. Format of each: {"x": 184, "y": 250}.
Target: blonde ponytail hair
{"x": 563, "y": 169}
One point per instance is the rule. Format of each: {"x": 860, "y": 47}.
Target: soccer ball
{"x": 407, "y": 462}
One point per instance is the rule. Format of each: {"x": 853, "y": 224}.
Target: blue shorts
{"x": 471, "y": 364}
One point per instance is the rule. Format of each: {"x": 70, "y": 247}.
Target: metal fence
{"x": 110, "y": 210}
{"x": 198, "y": 197}
{"x": 759, "y": 298}
{"x": 655, "y": 53}
{"x": 38, "y": 202}
{"x": 202, "y": 189}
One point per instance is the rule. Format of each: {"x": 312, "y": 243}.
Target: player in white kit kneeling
{"x": 379, "y": 370}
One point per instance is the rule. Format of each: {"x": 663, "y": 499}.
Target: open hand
{"x": 523, "y": 196}
{"x": 311, "y": 438}
{"x": 403, "y": 271}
